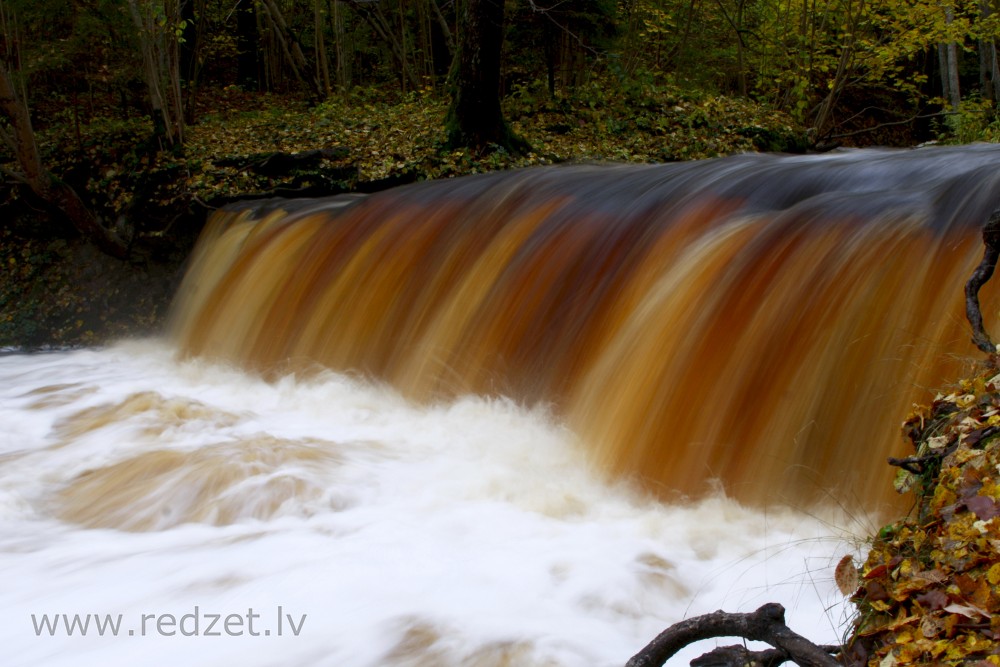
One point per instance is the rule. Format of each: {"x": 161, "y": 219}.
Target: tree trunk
{"x": 475, "y": 118}
{"x": 550, "y": 57}
{"x": 161, "y": 64}
{"x": 291, "y": 49}
{"x": 445, "y": 29}
{"x": 402, "y": 43}
{"x": 994, "y": 67}
{"x": 423, "y": 36}
{"x": 191, "y": 59}
{"x": 989, "y": 77}
{"x": 844, "y": 68}
{"x": 376, "y": 19}
{"x": 340, "y": 50}
{"x": 737, "y": 26}
{"x": 172, "y": 70}
{"x": 322, "y": 64}
{"x": 681, "y": 44}
{"x": 948, "y": 56}
{"x": 247, "y": 46}
{"x": 20, "y": 138}
{"x": 954, "y": 94}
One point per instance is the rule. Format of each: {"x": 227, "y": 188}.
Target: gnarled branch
{"x": 983, "y": 272}
{"x": 767, "y": 624}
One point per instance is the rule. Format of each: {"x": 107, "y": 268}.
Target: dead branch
{"x": 918, "y": 465}
{"x": 767, "y": 624}
{"x": 889, "y": 123}
{"x": 739, "y": 655}
{"x": 983, "y": 272}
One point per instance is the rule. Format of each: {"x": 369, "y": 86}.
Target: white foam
{"x": 420, "y": 535}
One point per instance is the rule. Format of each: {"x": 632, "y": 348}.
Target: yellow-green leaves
{"x": 929, "y": 592}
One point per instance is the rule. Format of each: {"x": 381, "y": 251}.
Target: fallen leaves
{"x": 929, "y": 591}
{"x": 385, "y": 136}
{"x": 846, "y": 575}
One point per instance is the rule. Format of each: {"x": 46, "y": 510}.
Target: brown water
{"x": 760, "y": 320}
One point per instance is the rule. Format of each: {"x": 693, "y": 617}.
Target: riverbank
{"x": 66, "y": 293}
{"x": 57, "y": 291}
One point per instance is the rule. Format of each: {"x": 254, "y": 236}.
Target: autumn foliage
{"x": 929, "y": 590}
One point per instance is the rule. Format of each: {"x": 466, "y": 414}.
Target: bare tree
{"x": 292, "y": 49}
{"x": 372, "y": 13}
{"x": 158, "y": 25}
{"x": 19, "y": 137}
{"x": 343, "y": 64}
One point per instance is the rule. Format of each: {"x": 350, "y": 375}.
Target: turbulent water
{"x": 565, "y": 353}
{"x": 763, "y": 320}
{"x": 158, "y": 496}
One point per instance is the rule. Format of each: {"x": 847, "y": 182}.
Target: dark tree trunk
{"x": 20, "y": 139}
{"x": 550, "y": 57}
{"x": 189, "y": 44}
{"x": 373, "y": 15}
{"x": 247, "y": 46}
{"x": 193, "y": 21}
{"x": 292, "y": 50}
{"x": 475, "y": 118}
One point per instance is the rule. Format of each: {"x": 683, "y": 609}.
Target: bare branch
{"x": 378, "y": 23}
{"x": 983, "y": 272}
{"x": 547, "y": 13}
{"x": 890, "y": 124}
{"x": 767, "y": 624}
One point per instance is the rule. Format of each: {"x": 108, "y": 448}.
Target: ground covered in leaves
{"x": 929, "y": 591}
{"x": 56, "y": 291}
{"x": 371, "y": 139}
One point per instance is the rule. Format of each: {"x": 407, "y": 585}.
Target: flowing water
{"x": 762, "y": 320}
{"x": 451, "y": 424}
{"x": 143, "y": 491}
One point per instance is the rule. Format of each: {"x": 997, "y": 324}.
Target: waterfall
{"x": 765, "y": 321}
{"x": 484, "y": 421}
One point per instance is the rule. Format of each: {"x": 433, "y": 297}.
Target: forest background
{"x": 124, "y": 123}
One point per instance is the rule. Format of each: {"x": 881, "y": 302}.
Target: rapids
{"x": 501, "y": 420}
{"x": 146, "y": 496}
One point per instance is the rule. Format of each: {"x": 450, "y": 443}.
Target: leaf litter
{"x": 929, "y": 591}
